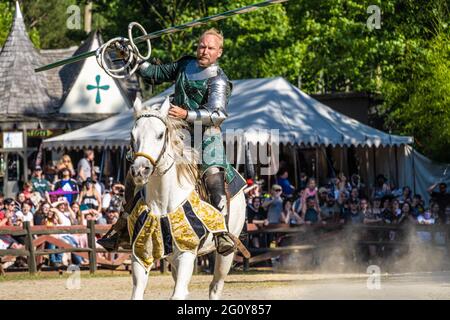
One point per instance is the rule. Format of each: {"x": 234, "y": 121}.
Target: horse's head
{"x": 149, "y": 140}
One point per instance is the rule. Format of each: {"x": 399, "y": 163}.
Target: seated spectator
{"x": 353, "y": 215}
{"x": 40, "y": 184}
{"x": 283, "y": 181}
{"x": 27, "y": 215}
{"x": 62, "y": 208}
{"x": 114, "y": 197}
{"x": 386, "y": 211}
{"x": 310, "y": 214}
{"x": 79, "y": 217}
{"x": 329, "y": 211}
{"x": 27, "y": 190}
{"x": 40, "y": 217}
{"x": 289, "y": 216}
{"x": 406, "y": 195}
{"x": 12, "y": 213}
{"x": 370, "y": 216}
{"x": 66, "y": 163}
{"x": 376, "y": 207}
{"x": 355, "y": 183}
{"x": 89, "y": 197}
{"x": 297, "y": 205}
{"x": 354, "y": 195}
{"x": 255, "y": 213}
{"x": 397, "y": 212}
{"x": 442, "y": 197}
{"x": 66, "y": 183}
{"x": 416, "y": 206}
{"x": 311, "y": 190}
{"x": 428, "y": 219}
{"x": 323, "y": 194}
{"x": 110, "y": 217}
{"x": 381, "y": 188}
{"x": 20, "y": 199}
{"x": 274, "y": 205}
{"x": 406, "y": 216}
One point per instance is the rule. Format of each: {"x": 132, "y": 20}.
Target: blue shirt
{"x": 286, "y": 186}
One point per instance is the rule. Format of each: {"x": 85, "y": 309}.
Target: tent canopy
{"x": 256, "y": 107}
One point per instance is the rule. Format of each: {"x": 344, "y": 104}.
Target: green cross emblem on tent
{"x": 98, "y": 87}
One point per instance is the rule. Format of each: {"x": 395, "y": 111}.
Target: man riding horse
{"x": 202, "y": 91}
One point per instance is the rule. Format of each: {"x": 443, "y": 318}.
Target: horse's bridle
{"x": 134, "y": 155}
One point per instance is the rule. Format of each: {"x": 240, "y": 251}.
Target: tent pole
{"x": 374, "y": 163}
{"x": 317, "y": 165}
{"x": 414, "y": 170}
{"x": 295, "y": 165}
{"x": 396, "y": 166}
{"x": 367, "y": 168}
{"x": 102, "y": 164}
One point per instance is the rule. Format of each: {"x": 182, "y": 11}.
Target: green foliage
{"x": 6, "y": 16}
{"x": 324, "y": 45}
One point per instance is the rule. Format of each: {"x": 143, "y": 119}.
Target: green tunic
{"x": 193, "y": 95}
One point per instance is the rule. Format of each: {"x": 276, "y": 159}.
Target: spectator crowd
{"x": 342, "y": 201}
{"x": 71, "y": 197}
{"x": 75, "y": 195}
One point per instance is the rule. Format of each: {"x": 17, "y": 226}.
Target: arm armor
{"x": 213, "y": 113}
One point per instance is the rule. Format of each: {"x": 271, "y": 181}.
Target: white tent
{"x": 256, "y": 106}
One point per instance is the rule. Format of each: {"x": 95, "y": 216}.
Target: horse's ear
{"x": 165, "y": 106}
{"x": 137, "y": 105}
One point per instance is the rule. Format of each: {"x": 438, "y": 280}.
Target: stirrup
{"x": 227, "y": 249}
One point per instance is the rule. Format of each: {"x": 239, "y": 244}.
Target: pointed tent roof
{"x": 22, "y": 91}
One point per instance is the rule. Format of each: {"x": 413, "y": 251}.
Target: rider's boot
{"x": 118, "y": 235}
{"x": 215, "y": 185}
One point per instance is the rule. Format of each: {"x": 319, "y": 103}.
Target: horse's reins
{"x": 163, "y": 150}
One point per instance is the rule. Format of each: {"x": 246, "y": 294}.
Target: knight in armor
{"x": 202, "y": 91}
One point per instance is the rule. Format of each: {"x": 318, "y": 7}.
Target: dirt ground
{"x": 239, "y": 286}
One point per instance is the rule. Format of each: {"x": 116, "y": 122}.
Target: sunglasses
{"x": 277, "y": 190}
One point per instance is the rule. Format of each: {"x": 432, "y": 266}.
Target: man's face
{"x": 208, "y": 50}
{"x": 256, "y": 203}
{"x": 442, "y": 188}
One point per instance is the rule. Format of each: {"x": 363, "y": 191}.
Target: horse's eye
{"x": 160, "y": 136}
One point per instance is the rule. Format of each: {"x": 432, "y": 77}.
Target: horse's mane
{"x": 186, "y": 157}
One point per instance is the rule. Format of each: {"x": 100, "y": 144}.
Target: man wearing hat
{"x": 40, "y": 184}
{"x": 274, "y": 205}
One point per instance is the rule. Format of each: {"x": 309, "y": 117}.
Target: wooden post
{"x": 29, "y": 246}
{"x": 294, "y": 147}
{"x": 91, "y": 244}
{"x": 317, "y": 165}
{"x": 367, "y": 169}
{"x": 396, "y": 166}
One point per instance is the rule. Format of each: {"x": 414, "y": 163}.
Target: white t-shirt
{"x": 28, "y": 217}
{"x": 106, "y": 200}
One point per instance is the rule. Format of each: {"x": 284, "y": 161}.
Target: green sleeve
{"x": 160, "y": 73}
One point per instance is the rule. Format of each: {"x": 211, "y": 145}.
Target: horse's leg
{"x": 182, "y": 266}
{"x": 140, "y": 279}
{"x": 221, "y": 269}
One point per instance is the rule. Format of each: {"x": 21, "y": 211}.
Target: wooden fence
{"x": 323, "y": 235}
{"x": 312, "y": 238}
{"x": 35, "y": 238}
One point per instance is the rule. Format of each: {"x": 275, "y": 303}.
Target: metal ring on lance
{"x": 126, "y": 47}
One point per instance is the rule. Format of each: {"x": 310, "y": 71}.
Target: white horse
{"x": 162, "y": 162}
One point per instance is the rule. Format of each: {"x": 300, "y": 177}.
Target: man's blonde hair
{"x": 214, "y": 32}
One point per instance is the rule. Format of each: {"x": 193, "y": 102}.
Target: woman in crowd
{"x": 406, "y": 195}
{"x": 41, "y": 215}
{"x": 89, "y": 197}
{"x": 65, "y": 162}
{"x": 289, "y": 216}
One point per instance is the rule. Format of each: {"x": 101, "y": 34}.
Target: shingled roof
{"x": 24, "y": 92}
{"x": 21, "y": 89}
